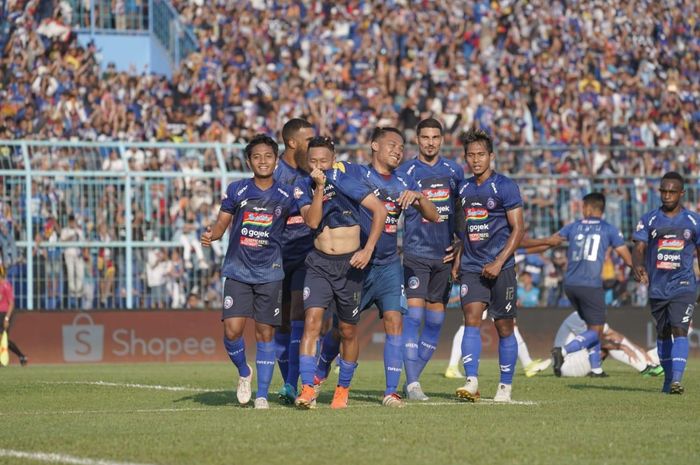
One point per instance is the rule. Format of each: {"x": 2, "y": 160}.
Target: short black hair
{"x": 322, "y": 141}
{"x": 259, "y": 139}
{"x": 595, "y": 200}
{"x": 429, "y": 123}
{"x": 380, "y": 131}
{"x": 674, "y": 176}
{"x": 292, "y": 126}
{"x": 477, "y": 135}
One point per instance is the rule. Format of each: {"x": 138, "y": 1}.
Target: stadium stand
{"x": 557, "y": 85}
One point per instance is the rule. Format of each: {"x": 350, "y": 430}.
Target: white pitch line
{"x": 353, "y": 396}
{"x": 59, "y": 458}
{"x": 155, "y": 387}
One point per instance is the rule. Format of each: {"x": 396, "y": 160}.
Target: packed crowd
{"x": 574, "y": 76}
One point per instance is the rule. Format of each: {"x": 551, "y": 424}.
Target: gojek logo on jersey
{"x": 669, "y": 253}
{"x": 476, "y": 228}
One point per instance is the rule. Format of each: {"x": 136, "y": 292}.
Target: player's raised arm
{"x": 517, "y": 224}
{"x": 379, "y": 213}
{"x": 313, "y": 213}
{"x": 427, "y": 209}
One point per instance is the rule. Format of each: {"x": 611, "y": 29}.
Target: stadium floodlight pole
{"x": 28, "y": 225}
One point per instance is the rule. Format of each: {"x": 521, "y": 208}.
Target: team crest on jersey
{"x": 298, "y": 193}
{"x": 687, "y": 234}
{"x": 413, "y": 282}
{"x": 278, "y": 211}
{"x": 490, "y": 203}
{"x": 307, "y": 293}
{"x": 464, "y": 290}
{"x": 228, "y": 302}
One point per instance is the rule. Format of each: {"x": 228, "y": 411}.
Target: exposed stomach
{"x": 338, "y": 241}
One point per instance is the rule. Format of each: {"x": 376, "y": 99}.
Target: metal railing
{"x": 139, "y": 209}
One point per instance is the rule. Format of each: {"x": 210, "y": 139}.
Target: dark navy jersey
{"x": 589, "y": 239}
{"x": 344, "y": 191}
{"x": 254, "y": 254}
{"x": 388, "y": 189}
{"x": 438, "y": 183}
{"x": 671, "y": 244}
{"x": 487, "y": 229}
{"x": 297, "y": 240}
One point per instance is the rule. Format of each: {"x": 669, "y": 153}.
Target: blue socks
{"x": 507, "y": 357}
{"x": 294, "y": 343}
{"x": 282, "y": 352}
{"x": 585, "y": 340}
{"x": 330, "y": 348}
{"x": 236, "y": 352}
{"x": 594, "y": 357}
{"x": 664, "y": 346}
{"x": 347, "y": 370}
{"x": 679, "y": 357}
{"x": 307, "y": 369}
{"x": 411, "y": 326}
{"x": 429, "y": 338}
{"x": 265, "y": 363}
{"x": 393, "y": 362}
{"x": 471, "y": 349}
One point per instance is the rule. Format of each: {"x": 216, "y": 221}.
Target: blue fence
{"x": 116, "y": 225}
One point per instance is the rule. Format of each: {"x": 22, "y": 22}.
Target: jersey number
{"x": 587, "y": 248}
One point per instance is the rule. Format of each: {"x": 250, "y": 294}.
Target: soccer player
{"x": 589, "y": 240}
{"x": 428, "y": 251}
{"x": 259, "y": 208}
{"x": 665, "y": 240}
{"x": 493, "y": 210}
{"x": 612, "y": 343}
{"x": 297, "y": 242}
{"x": 384, "y": 277}
{"x": 330, "y": 203}
{"x": 7, "y": 306}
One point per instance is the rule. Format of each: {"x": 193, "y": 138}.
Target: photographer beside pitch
{"x": 666, "y": 240}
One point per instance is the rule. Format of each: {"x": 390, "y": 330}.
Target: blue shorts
{"x": 500, "y": 294}
{"x": 430, "y": 280}
{"x": 383, "y": 287}
{"x": 332, "y": 282}
{"x": 261, "y": 302}
{"x": 674, "y": 313}
{"x": 589, "y": 303}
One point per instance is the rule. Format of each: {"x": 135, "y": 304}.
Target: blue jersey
{"x": 671, "y": 244}
{"x": 487, "y": 229}
{"x": 439, "y": 184}
{"x": 297, "y": 241}
{"x": 254, "y": 254}
{"x": 388, "y": 189}
{"x": 589, "y": 239}
{"x": 342, "y": 195}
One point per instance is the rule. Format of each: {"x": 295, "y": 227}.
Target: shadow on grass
{"x": 582, "y": 387}
{"x": 213, "y": 398}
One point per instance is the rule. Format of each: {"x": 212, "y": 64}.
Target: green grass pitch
{"x": 136, "y": 414}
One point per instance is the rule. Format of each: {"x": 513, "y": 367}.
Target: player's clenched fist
{"x": 407, "y": 198}
{"x": 206, "y": 238}
{"x": 360, "y": 259}
{"x": 318, "y": 176}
